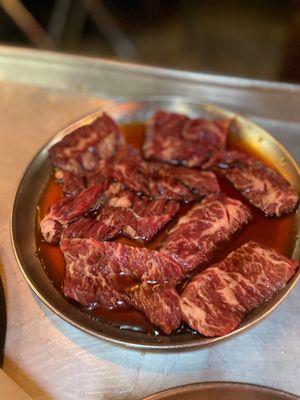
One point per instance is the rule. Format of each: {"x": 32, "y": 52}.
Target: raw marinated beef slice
{"x": 139, "y": 262}
{"x": 79, "y": 152}
{"x": 208, "y": 225}
{"x": 69, "y": 209}
{"x": 177, "y": 139}
{"x": 179, "y": 183}
{"x": 145, "y": 217}
{"x": 216, "y": 301}
{"x": 262, "y": 186}
{"x": 160, "y": 303}
{"x": 95, "y": 271}
{"x": 122, "y": 213}
{"x": 71, "y": 184}
{"x": 156, "y": 179}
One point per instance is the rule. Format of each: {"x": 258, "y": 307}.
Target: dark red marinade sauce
{"x": 277, "y": 233}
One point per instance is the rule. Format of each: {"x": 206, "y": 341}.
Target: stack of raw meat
{"x": 113, "y": 190}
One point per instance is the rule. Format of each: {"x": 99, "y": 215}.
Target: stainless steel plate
{"x": 38, "y": 173}
{"x": 222, "y": 391}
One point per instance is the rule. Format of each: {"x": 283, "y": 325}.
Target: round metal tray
{"x": 38, "y": 173}
{"x": 222, "y": 390}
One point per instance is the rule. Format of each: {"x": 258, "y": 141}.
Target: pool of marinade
{"x": 277, "y": 233}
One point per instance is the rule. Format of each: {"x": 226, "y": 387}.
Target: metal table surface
{"x": 42, "y": 92}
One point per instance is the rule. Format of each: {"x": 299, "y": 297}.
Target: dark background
{"x": 255, "y": 38}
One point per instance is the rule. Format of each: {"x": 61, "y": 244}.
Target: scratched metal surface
{"x": 41, "y": 93}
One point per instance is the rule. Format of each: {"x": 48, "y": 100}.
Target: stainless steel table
{"x": 42, "y": 92}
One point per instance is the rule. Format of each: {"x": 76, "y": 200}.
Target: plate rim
{"x": 223, "y": 385}
{"x": 158, "y": 346}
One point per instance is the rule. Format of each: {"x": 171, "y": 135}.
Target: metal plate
{"x": 2, "y": 322}
{"x": 38, "y": 173}
{"x": 222, "y": 390}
